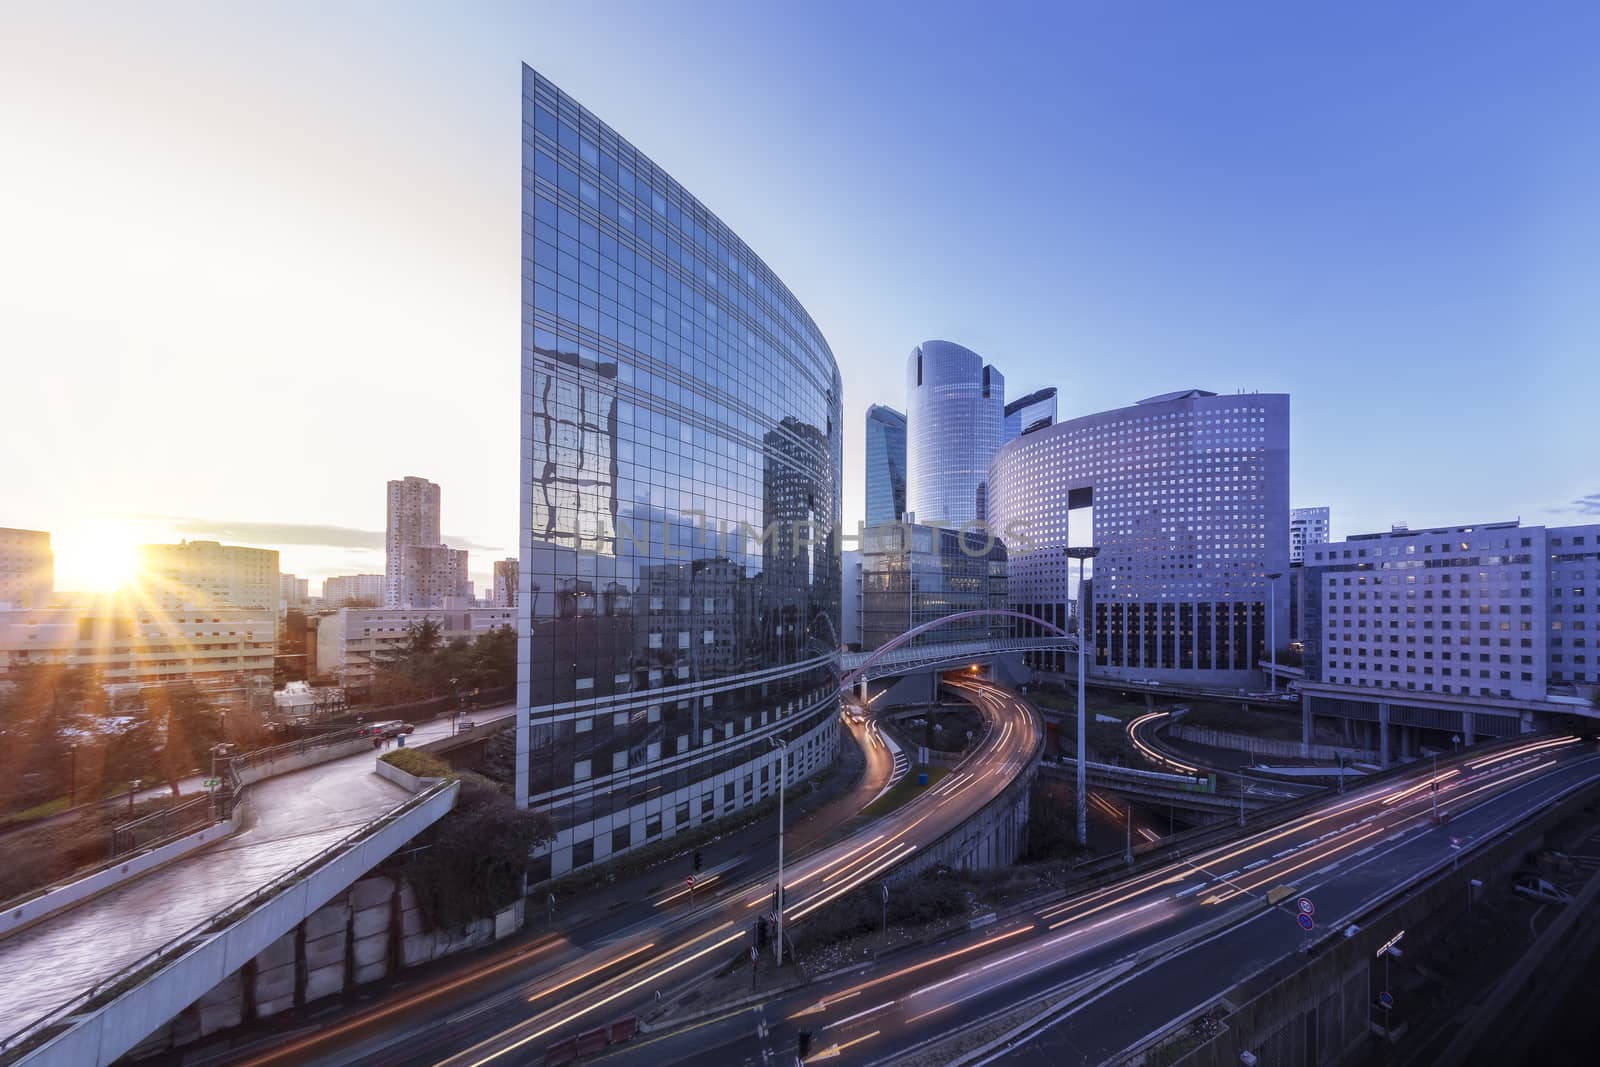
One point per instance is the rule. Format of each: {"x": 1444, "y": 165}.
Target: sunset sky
{"x": 260, "y": 259}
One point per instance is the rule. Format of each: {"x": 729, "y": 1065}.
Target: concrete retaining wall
{"x": 100, "y": 1034}
{"x": 1260, "y": 746}
{"x": 75, "y": 893}
{"x": 255, "y": 770}
{"x": 992, "y": 838}
{"x": 409, "y": 782}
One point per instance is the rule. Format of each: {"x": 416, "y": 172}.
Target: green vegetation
{"x": 1052, "y": 824}
{"x": 417, "y": 762}
{"x": 39, "y": 856}
{"x": 424, "y": 666}
{"x": 470, "y": 864}
{"x": 905, "y": 790}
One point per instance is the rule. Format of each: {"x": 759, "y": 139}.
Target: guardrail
{"x": 149, "y": 830}
{"x": 16, "y": 1045}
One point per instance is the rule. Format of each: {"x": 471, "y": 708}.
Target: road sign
{"x": 1306, "y": 907}
{"x": 1389, "y": 944}
{"x": 1306, "y": 922}
{"x": 1386, "y": 1000}
{"x": 754, "y": 955}
{"x": 213, "y": 783}
{"x": 690, "y": 880}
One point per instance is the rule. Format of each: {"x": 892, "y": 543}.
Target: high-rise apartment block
{"x": 1189, "y": 494}
{"x": 431, "y": 573}
{"x": 955, "y": 423}
{"x": 1494, "y": 610}
{"x": 206, "y": 574}
{"x": 886, "y": 465}
{"x": 27, "y": 568}
{"x": 1307, "y": 526}
{"x": 505, "y": 582}
{"x": 363, "y": 590}
{"x": 292, "y": 591}
{"x": 671, "y": 386}
{"x": 413, "y": 519}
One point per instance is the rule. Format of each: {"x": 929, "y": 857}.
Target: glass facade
{"x": 955, "y": 423}
{"x": 1190, "y": 500}
{"x": 886, "y": 465}
{"x": 914, "y": 574}
{"x": 681, "y": 472}
{"x": 1032, "y": 412}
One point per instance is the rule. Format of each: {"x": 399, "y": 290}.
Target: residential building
{"x": 351, "y": 641}
{"x": 1494, "y": 610}
{"x": 354, "y": 590}
{"x": 955, "y": 423}
{"x": 432, "y": 574}
{"x": 293, "y": 592}
{"x": 206, "y": 574}
{"x": 1307, "y": 526}
{"x": 672, "y": 387}
{"x": 27, "y": 568}
{"x": 1186, "y": 497}
{"x": 1032, "y": 412}
{"x": 886, "y": 465}
{"x": 913, "y": 574}
{"x": 413, "y": 519}
{"x": 127, "y": 640}
{"x": 505, "y": 582}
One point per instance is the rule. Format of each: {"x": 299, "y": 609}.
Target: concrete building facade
{"x": 367, "y": 589}
{"x": 128, "y": 641}
{"x": 1307, "y": 526}
{"x": 206, "y": 574}
{"x": 432, "y": 575}
{"x": 350, "y": 641}
{"x": 955, "y": 423}
{"x": 1189, "y": 496}
{"x": 412, "y": 519}
{"x": 27, "y": 568}
{"x": 1498, "y": 610}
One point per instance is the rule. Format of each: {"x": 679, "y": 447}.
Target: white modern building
{"x": 350, "y": 638}
{"x": 365, "y": 590}
{"x": 27, "y": 568}
{"x": 1498, "y": 610}
{"x": 1307, "y": 526}
{"x": 205, "y": 574}
{"x": 955, "y": 423}
{"x": 129, "y": 641}
{"x": 1186, "y": 496}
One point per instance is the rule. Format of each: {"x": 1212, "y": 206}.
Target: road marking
{"x": 859, "y": 1015}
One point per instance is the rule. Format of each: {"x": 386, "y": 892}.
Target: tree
{"x": 470, "y": 864}
{"x": 402, "y": 673}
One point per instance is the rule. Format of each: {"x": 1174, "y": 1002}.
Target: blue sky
{"x": 303, "y": 228}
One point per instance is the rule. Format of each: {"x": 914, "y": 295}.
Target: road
{"x": 515, "y": 1006}
{"x": 1354, "y": 846}
{"x": 287, "y": 820}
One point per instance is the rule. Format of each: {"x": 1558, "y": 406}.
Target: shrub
{"x": 417, "y": 762}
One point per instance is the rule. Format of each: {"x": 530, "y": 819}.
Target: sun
{"x": 99, "y": 555}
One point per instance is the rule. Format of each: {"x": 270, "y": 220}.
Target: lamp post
{"x": 1081, "y": 554}
{"x": 455, "y": 712}
{"x": 783, "y": 761}
{"x": 72, "y": 782}
{"x": 1272, "y": 628}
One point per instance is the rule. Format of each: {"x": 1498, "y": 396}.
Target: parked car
{"x": 393, "y": 728}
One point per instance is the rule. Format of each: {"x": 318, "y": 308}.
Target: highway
{"x": 508, "y": 1009}
{"x": 1351, "y": 848}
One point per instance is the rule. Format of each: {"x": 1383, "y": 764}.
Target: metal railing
{"x": 62, "y": 1017}
{"x": 150, "y": 830}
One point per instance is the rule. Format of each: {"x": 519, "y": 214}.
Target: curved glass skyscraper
{"x": 681, "y": 472}
{"x": 955, "y": 423}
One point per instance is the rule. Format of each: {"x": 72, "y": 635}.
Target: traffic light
{"x": 803, "y": 1040}
{"x": 698, "y": 859}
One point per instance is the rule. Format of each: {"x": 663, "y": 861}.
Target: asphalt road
{"x": 1355, "y": 846}
{"x": 509, "y": 1009}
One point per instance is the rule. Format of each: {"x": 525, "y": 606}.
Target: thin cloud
{"x": 323, "y": 535}
{"x": 1588, "y": 505}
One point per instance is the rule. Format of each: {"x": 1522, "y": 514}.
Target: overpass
{"x": 86, "y": 983}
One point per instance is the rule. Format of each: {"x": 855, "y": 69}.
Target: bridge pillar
{"x": 1406, "y": 733}
{"x": 1468, "y": 728}
{"x": 1149, "y": 701}
{"x": 1383, "y": 734}
{"x": 861, "y": 689}
{"x": 1306, "y": 732}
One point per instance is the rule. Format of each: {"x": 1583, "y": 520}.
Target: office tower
{"x": 1032, "y": 412}
{"x": 1307, "y": 526}
{"x": 886, "y": 465}
{"x": 913, "y": 574}
{"x": 955, "y": 422}
{"x": 1189, "y": 497}
{"x": 1499, "y": 610}
{"x": 204, "y": 574}
{"x": 27, "y": 568}
{"x": 413, "y": 519}
{"x": 505, "y": 582}
{"x": 676, "y": 399}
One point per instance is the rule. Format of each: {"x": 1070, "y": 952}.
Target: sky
{"x": 260, "y": 259}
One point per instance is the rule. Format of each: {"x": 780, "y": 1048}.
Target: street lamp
{"x": 783, "y": 762}
{"x": 1081, "y": 554}
{"x": 1272, "y": 614}
{"x": 455, "y": 714}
